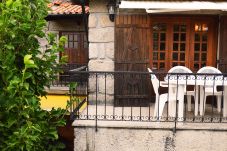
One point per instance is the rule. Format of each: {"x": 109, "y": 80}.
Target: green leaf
{"x": 29, "y": 63}
{"x": 26, "y": 85}
{"x": 27, "y": 75}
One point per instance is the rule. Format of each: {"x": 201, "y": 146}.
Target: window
{"x": 182, "y": 41}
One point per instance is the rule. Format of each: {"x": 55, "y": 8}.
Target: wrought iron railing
{"x": 130, "y": 96}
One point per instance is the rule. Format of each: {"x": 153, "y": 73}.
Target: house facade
{"x": 143, "y": 34}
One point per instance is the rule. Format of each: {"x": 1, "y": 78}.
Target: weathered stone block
{"x": 101, "y": 65}
{"x": 92, "y": 21}
{"x": 93, "y": 50}
{"x": 98, "y": 6}
{"x": 106, "y": 84}
{"x": 101, "y": 35}
{"x": 109, "y": 47}
{"x": 102, "y": 99}
{"x": 101, "y": 50}
{"x": 104, "y": 21}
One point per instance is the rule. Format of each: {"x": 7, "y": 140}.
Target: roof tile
{"x": 65, "y": 7}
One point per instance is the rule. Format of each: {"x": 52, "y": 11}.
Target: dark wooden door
{"x": 132, "y": 36}
{"x": 223, "y": 45}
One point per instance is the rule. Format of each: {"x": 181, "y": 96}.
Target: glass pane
{"x": 70, "y": 44}
{"x": 155, "y": 37}
{"x": 174, "y": 64}
{"x": 175, "y": 46}
{"x": 85, "y": 45}
{"x": 155, "y": 65}
{"x": 182, "y": 57}
{"x": 155, "y": 56}
{"x": 66, "y": 45}
{"x": 162, "y": 56}
{"x": 197, "y": 37}
{"x": 162, "y": 46}
{"x": 204, "y": 56}
{"x": 175, "y": 56}
{"x": 75, "y": 45}
{"x": 85, "y": 38}
{"x": 162, "y": 65}
{"x": 196, "y": 66}
{"x": 70, "y": 37}
{"x": 203, "y": 64}
{"x": 75, "y": 37}
{"x": 175, "y": 37}
{"x": 204, "y": 37}
{"x": 196, "y": 57}
{"x": 183, "y": 37}
{"x": 183, "y": 28}
{"x": 182, "y": 47}
{"x": 163, "y": 37}
{"x": 198, "y": 27}
{"x": 197, "y": 47}
{"x": 204, "y": 47}
{"x": 176, "y": 28}
{"x": 204, "y": 27}
{"x": 155, "y": 46}
{"x": 182, "y": 64}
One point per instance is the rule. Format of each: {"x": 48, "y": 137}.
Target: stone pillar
{"x": 101, "y": 52}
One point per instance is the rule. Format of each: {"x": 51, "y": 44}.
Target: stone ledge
{"x": 150, "y": 125}
{"x": 57, "y": 90}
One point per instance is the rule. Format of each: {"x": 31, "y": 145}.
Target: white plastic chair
{"x": 160, "y": 100}
{"x": 183, "y": 69}
{"x": 209, "y": 90}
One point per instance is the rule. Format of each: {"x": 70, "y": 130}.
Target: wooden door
{"x": 186, "y": 41}
{"x": 132, "y": 36}
{"x": 223, "y": 45}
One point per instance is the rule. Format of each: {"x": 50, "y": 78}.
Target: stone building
{"x": 156, "y": 34}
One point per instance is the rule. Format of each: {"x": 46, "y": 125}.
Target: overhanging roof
{"x": 171, "y": 6}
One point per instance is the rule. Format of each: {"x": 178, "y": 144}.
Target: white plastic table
{"x": 178, "y": 84}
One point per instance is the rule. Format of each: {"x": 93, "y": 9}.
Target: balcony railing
{"x": 132, "y": 96}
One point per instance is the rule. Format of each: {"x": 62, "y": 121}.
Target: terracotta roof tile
{"x": 65, "y": 7}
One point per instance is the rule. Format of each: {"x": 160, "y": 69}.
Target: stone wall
{"x": 137, "y": 136}
{"x": 65, "y": 25}
{"x": 101, "y": 51}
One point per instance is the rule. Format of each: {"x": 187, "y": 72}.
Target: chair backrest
{"x": 179, "y": 69}
{"x": 154, "y": 81}
{"x": 209, "y": 70}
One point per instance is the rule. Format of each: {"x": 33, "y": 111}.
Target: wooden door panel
{"x": 131, "y": 54}
{"x": 223, "y": 45}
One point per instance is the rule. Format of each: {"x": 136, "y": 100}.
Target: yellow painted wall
{"x": 55, "y": 101}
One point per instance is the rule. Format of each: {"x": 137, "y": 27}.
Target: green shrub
{"x": 25, "y": 71}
